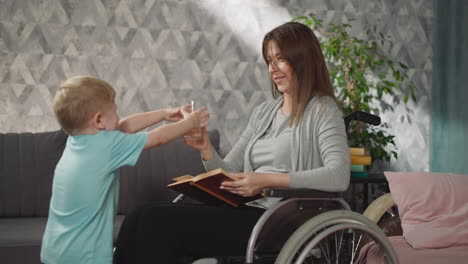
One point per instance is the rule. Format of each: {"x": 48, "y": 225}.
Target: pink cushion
{"x": 409, "y": 255}
{"x": 433, "y": 207}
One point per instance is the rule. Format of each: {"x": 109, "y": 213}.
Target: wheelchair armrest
{"x": 300, "y": 193}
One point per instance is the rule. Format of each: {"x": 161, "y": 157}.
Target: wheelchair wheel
{"x": 334, "y": 237}
{"x": 383, "y": 211}
{"x": 379, "y": 207}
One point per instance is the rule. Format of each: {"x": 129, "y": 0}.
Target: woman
{"x": 296, "y": 140}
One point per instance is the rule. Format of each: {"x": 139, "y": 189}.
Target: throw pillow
{"x": 433, "y": 207}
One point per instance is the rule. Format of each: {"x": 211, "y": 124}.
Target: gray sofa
{"x": 27, "y": 163}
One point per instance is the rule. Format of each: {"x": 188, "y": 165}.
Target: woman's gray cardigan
{"x": 320, "y": 156}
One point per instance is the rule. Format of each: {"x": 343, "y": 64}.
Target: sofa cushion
{"x": 28, "y": 231}
{"x": 28, "y": 160}
{"x": 433, "y": 207}
{"x": 27, "y": 165}
{"x": 21, "y": 231}
{"x": 147, "y": 181}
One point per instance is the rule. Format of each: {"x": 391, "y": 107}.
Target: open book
{"x": 205, "y": 188}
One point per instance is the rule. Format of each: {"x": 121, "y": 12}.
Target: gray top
{"x": 272, "y": 152}
{"x": 319, "y": 151}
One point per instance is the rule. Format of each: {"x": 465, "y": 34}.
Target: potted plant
{"x": 362, "y": 74}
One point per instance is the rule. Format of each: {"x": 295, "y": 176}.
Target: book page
{"x": 219, "y": 172}
{"x": 181, "y": 179}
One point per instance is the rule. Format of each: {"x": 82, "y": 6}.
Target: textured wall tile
{"x": 155, "y": 51}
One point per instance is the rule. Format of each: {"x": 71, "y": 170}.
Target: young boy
{"x": 86, "y": 181}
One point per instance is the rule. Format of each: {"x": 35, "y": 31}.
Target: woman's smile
{"x": 278, "y": 79}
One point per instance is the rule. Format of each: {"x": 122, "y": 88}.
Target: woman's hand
{"x": 250, "y": 183}
{"x": 202, "y": 144}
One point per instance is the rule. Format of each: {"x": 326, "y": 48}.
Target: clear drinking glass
{"x": 196, "y": 132}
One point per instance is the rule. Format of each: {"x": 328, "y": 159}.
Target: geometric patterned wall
{"x": 156, "y": 51}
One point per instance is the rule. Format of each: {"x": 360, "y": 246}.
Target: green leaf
{"x": 389, "y": 83}
{"x": 403, "y": 66}
{"x": 300, "y": 18}
{"x": 379, "y": 93}
{"x": 390, "y": 64}
{"x": 396, "y": 75}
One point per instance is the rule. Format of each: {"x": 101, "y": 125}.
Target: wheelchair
{"x": 310, "y": 226}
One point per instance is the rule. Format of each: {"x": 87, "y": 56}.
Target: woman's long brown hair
{"x": 301, "y": 49}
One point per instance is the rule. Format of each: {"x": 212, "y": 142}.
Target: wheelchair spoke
{"x": 336, "y": 249}
{"x": 352, "y": 248}
{"x": 331, "y": 248}
{"x": 355, "y": 247}
{"x": 325, "y": 253}
{"x": 339, "y": 247}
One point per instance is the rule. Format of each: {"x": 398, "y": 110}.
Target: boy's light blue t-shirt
{"x": 85, "y": 195}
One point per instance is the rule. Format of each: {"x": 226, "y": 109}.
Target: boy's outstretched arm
{"x": 138, "y": 122}
{"x": 166, "y": 133}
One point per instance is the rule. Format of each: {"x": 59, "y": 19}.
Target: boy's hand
{"x": 203, "y": 143}
{"x": 198, "y": 118}
{"x": 174, "y": 114}
{"x": 185, "y": 111}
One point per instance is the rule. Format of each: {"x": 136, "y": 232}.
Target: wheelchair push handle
{"x": 363, "y": 117}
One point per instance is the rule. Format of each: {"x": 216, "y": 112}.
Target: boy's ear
{"x": 96, "y": 121}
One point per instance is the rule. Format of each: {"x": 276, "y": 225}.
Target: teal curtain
{"x": 449, "y": 118}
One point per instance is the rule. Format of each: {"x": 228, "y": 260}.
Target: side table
{"x": 374, "y": 178}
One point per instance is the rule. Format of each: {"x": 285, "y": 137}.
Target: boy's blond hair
{"x": 79, "y": 98}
